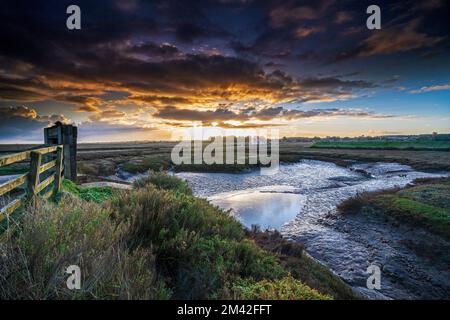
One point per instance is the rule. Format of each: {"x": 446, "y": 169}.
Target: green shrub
{"x": 74, "y": 232}
{"x": 287, "y": 288}
{"x": 198, "y": 246}
{"x": 154, "y": 163}
{"x": 158, "y": 215}
{"x": 164, "y": 181}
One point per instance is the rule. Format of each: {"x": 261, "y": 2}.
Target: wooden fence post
{"x": 66, "y": 135}
{"x": 59, "y": 165}
{"x": 33, "y": 179}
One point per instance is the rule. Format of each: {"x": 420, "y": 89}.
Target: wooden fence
{"x": 32, "y": 180}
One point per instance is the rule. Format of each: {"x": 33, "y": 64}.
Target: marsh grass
{"x": 153, "y": 163}
{"x": 50, "y": 237}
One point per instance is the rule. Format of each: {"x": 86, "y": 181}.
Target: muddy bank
{"x": 414, "y": 262}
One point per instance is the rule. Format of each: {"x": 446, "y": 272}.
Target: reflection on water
{"x": 268, "y": 210}
{"x": 300, "y": 200}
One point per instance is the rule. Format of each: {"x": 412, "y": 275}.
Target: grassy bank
{"x": 155, "y": 242}
{"x": 385, "y": 144}
{"x": 96, "y": 194}
{"x": 426, "y": 204}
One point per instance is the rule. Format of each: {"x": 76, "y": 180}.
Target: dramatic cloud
{"x": 290, "y": 12}
{"x": 107, "y": 115}
{"x": 393, "y": 39}
{"x": 152, "y": 50}
{"x": 343, "y": 17}
{"x": 397, "y": 39}
{"x": 432, "y": 88}
{"x": 194, "y": 79}
{"x": 265, "y": 114}
{"x": 304, "y": 32}
{"x": 25, "y": 123}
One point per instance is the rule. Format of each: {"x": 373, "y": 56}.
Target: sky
{"x": 148, "y": 70}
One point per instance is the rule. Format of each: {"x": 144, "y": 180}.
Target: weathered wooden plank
{"x": 10, "y": 208}
{"x": 49, "y": 193}
{"x": 33, "y": 177}
{"x": 45, "y": 150}
{"x": 12, "y": 158}
{"x": 44, "y": 184}
{"x": 21, "y": 156}
{"x": 47, "y": 166}
{"x": 13, "y": 183}
{"x": 59, "y": 168}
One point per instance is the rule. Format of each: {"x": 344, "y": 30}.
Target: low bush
{"x": 287, "y": 288}
{"x": 198, "y": 247}
{"x": 165, "y": 181}
{"x": 52, "y": 237}
{"x": 154, "y": 163}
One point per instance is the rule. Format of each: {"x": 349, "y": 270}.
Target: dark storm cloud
{"x": 150, "y": 48}
{"x": 334, "y": 83}
{"x": 24, "y": 123}
{"x": 41, "y": 36}
{"x": 275, "y": 33}
{"x": 187, "y": 32}
{"x": 174, "y": 79}
{"x": 330, "y": 31}
{"x": 160, "y": 99}
{"x": 12, "y": 93}
{"x": 265, "y": 114}
{"x": 272, "y": 45}
{"x": 173, "y": 113}
{"x": 397, "y": 38}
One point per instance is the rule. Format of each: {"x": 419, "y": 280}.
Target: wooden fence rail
{"x": 32, "y": 180}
